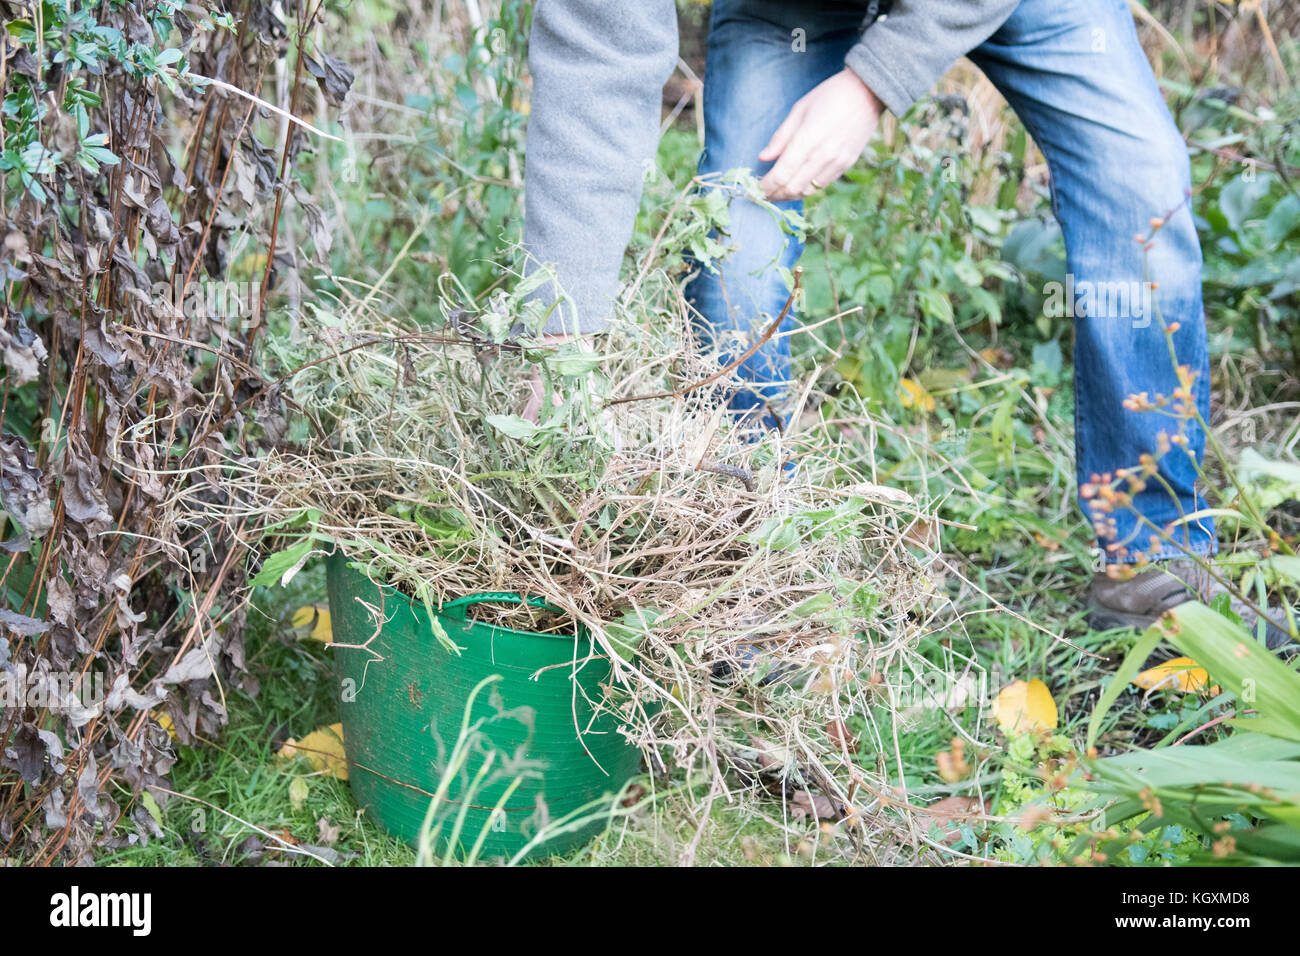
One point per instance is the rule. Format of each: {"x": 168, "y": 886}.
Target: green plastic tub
{"x": 541, "y": 742}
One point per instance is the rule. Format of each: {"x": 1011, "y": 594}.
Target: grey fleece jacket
{"x": 598, "y": 71}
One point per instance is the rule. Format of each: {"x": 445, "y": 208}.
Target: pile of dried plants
{"x": 746, "y": 583}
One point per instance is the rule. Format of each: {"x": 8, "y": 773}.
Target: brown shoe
{"x": 1139, "y": 601}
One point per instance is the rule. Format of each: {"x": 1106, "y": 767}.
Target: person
{"x": 795, "y": 91}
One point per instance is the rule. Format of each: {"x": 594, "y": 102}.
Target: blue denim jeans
{"x": 1074, "y": 72}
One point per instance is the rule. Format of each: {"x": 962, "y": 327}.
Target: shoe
{"x": 1139, "y": 601}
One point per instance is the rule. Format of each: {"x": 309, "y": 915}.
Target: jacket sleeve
{"x": 902, "y": 55}
{"x": 598, "y": 69}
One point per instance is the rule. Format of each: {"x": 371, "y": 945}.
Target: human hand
{"x": 532, "y": 409}
{"x": 824, "y": 135}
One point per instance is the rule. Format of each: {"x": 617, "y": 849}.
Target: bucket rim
{"x": 487, "y": 596}
{"x": 420, "y": 610}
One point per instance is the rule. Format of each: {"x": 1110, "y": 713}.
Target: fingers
{"x": 798, "y": 163}
{"x": 805, "y": 157}
{"x": 784, "y": 133}
{"x": 812, "y": 149}
{"x": 829, "y": 171}
{"x": 821, "y": 167}
{"x": 532, "y": 410}
{"x": 777, "y": 185}
{"x": 788, "y": 146}
{"x": 792, "y": 177}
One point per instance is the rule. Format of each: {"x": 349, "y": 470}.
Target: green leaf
{"x": 1236, "y": 660}
{"x": 444, "y": 524}
{"x": 1240, "y": 198}
{"x": 627, "y": 634}
{"x": 578, "y": 363}
{"x": 105, "y": 156}
{"x": 435, "y": 626}
{"x": 280, "y": 567}
{"x": 513, "y": 426}
{"x": 1048, "y": 356}
{"x": 935, "y": 305}
{"x": 967, "y": 272}
{"x": 1035, "y": 247}
{"x": 151, "y": 806}
{"x": 1282, "y": 220}
{"x": 1252, "y": 464}
{"x": 299, "y": 790}
{"x": 1281, "y": 566}
{"x": 533, "y": 281}
{"x": 1127, "y": 671}
{"x": 814, "y": 605}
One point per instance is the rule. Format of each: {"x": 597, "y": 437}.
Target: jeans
{"x": 1075, "y": 74}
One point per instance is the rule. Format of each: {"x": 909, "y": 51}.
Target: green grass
{"x": 240, "y": 774}
{"x": 989, "y": 423}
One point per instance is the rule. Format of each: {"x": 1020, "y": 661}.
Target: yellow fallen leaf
{"x": 913, "y": 395}
{"x": 1022, "y": 706}
{"x": 165, "y": 722}
{"x": 1179, "y": 673}
{"x": 318, "y": 619}
{"x": 323, "y": 749}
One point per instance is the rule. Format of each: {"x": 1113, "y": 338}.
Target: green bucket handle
{"x": 456, "y": 609}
